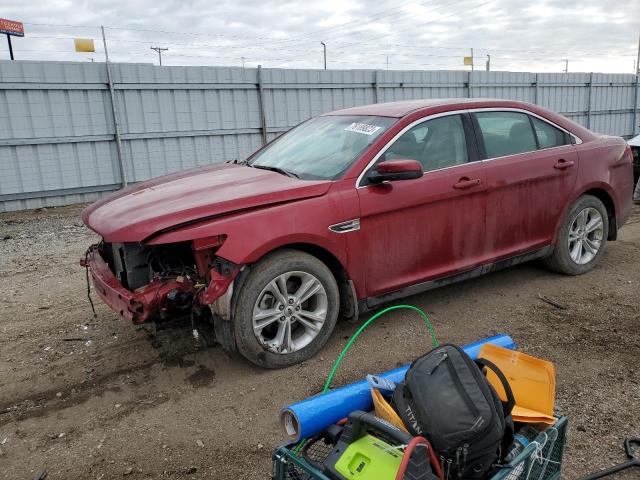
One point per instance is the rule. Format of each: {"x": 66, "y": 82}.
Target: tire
{"x": 575, "y": 261}
{"x": 259, "y": 304}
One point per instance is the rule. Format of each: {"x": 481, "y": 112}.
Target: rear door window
{"x": 506, "y": 133}
{"x": 548, "y": 135}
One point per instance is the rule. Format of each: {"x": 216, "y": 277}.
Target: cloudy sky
{"x": 520, "y": 35}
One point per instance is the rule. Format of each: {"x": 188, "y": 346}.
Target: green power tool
{"x": 368, "y": 449}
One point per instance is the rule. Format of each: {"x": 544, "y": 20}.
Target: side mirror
{"x": 389, "y": 171}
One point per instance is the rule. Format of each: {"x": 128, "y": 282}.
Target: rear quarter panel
{"x": 605, "y": 164}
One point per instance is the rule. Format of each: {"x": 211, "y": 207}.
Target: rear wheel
{"x": 286, "y": 309}
{"x": 581, "y": 238}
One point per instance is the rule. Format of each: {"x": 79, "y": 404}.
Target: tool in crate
{"x": 443, "y": 397}
{"x": 368, "y": 447}
{"x": 540, "y": 460}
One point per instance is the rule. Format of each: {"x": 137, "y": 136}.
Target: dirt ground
{"x": 99, "y": 398}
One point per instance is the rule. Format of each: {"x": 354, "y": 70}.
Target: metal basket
{"x": 540, "y": 460}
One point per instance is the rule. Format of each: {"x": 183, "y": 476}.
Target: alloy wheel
{"x": 290, "y": 312}
{"x": 585, "y": 235}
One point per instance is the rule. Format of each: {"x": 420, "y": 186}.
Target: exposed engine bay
{"x": 171, "y": 266}
{"x": 153, "y": 283}
{"x": 136, "y": 265}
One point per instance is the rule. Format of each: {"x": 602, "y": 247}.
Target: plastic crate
{"x": 541, "y": 460}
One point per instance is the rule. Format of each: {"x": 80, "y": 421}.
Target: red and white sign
{"x": 11, "y": 27}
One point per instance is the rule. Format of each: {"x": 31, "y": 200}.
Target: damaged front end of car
{"x": 156, "y": 283}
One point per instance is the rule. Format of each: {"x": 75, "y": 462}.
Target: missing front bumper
{"x": 154, "y": 299}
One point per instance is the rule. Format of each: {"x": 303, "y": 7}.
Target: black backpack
{"x": 446, "y": 398}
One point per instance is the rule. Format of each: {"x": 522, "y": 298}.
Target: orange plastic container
{"x": 532, "y": 380}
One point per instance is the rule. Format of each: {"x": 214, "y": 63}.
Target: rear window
{"x": 548, "y": 135}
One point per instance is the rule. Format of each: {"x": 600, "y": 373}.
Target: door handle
{"x": 465, "y": 183}
{"x": 563, "y": 164}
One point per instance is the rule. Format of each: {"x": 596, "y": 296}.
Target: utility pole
{"x": 114, "y": 111}
{"x": 242, "y": 59}
{"x": 637, "y": 66}
{"x": 324, "y": 48}
{"x": 159, "y": 50}
{"x": 566, "y": 65}
{"x": 387, "y": 62}
{"x": 488, "y": 62}
{"x": 472, "y": 59}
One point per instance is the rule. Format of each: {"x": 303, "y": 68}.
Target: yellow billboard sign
{"x": 84, "y": 45}
{"x": 468, "y": 60}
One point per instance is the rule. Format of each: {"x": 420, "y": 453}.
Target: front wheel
{"x": 286, "y": 309}
{"x": 581, "y": 238}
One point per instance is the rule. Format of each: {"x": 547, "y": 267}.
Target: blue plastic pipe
{"x": 312, "y": 415}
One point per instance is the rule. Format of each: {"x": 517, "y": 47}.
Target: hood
{"x": 143, "y": 209}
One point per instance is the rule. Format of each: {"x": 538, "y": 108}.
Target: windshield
{"x": 323, "y": 147}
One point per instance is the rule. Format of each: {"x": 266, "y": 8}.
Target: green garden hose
{"x": 358, "y": 332}
{"x": 366, "y": 324}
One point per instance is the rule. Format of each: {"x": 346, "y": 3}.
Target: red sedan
{"x": 353, "y": 209}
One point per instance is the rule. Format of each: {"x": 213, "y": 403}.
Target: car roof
{"x": 405, "y": 107}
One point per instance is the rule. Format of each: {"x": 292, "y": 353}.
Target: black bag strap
{"x": 511, "y": 401}
{"x": 402, "y": 405}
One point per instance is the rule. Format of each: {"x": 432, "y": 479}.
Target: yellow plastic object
{"x": 84, "y": 44}
{"x": 532, "y": 380}
{"x": 385, "y": 411}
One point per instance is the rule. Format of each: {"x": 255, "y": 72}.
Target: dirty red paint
{"x": 448, "y": 221}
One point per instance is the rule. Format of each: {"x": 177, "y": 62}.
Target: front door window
{"x": 437, "y": 143}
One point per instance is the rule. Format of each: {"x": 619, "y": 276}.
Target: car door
{"x": 416, "y": 230}
{"x": 531, "y": 168}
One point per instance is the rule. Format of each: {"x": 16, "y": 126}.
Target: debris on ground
{"x": 170, "y": 391}
{"x": 552, "y": 302}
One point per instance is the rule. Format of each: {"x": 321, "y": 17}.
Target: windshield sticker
{"x": 362, "y": 128}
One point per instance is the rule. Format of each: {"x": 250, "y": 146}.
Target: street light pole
{"x": 324, "y": 48}
{"x": 159, "y": 50}
{"x": 10, "y": 47}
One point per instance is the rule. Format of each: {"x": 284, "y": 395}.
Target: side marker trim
{"x": 346, "y": 227}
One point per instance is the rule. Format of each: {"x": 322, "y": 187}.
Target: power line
{"x": 340, "y": 44}
{"x": 250, "y": 37}
{"x": 381, "y": 14}
{"x": 257, "y": 59}
{"x": 463, "y": 49}
{"x": 359, "y": 43}
{"x": 293, "y": 57}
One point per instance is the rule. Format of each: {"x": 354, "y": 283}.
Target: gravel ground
{"x": 97, "y": 398}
